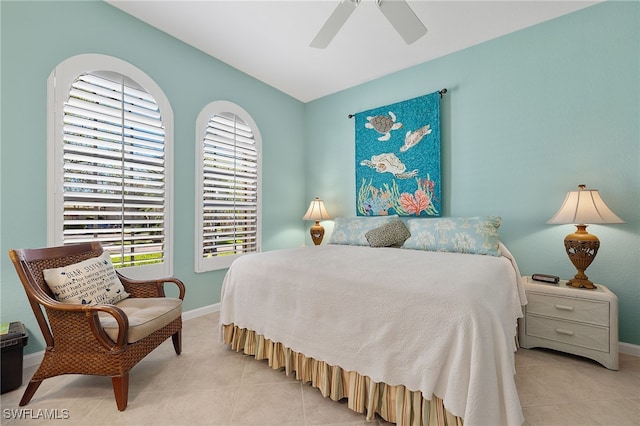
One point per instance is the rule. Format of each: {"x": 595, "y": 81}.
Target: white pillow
{"x": 90, "y": 282}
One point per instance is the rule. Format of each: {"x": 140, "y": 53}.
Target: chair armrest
{"x": 99, "y": 333}
{"x": 150, "y": 288}
{"x": 90, "y": 313}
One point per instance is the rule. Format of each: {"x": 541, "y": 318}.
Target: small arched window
{"x": 110, "y": 138}
{"x": 228, "y": 158}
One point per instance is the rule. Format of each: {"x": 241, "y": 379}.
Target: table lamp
{"x": 316, "y": 212}
{"x": 580, "y": 208}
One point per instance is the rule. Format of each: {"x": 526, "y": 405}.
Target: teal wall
{"x": 528, "y": 117}
{"x": 36, "y": 36}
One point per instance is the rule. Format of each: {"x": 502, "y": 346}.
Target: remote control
{"x": 545, "y": 278}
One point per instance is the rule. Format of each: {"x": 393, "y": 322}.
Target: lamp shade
{"x": 316, "y": 211}
{"x": 584, "y": 206}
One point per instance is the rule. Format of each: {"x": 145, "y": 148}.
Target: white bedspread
{"x": 441, "y": 323}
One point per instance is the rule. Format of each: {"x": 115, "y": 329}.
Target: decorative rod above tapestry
{"x": 442, "y": 93}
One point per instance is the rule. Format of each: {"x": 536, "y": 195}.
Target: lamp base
{"x": 581, "y": 248}
{"x": 578, "y": 283}
{"x": 317, "y": 233}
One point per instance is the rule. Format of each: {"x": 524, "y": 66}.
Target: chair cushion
{"x": 145, "y": 315}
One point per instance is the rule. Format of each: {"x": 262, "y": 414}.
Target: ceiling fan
{"x": 398, "y": 12}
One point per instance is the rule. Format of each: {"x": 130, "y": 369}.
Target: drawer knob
{"x": 564, "y": 307}
{"x": 563, "y": 331}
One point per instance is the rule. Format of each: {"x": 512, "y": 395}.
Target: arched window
{"x": 110, "y": 162}
{"x": 228, "y": 158}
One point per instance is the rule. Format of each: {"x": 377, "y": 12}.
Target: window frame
{"x": 202, "y": 264}
{"x": 58, "y": 88}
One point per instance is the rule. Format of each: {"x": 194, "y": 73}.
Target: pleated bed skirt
{"x": 395, "y": 404}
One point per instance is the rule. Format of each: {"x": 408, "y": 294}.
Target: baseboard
{"x": 629, "y": 349}
{"x": 195, "y": 313}
{"x": 35, "y": 358}
{"x": 32, "y": 359}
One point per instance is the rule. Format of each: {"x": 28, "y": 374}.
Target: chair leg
{"x": 177, "y": 341}
{"x": 32, "y": 387}
{"x": 121, "y": 390}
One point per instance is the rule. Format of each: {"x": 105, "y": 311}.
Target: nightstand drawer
{"x": 586, "y": 336}
{"x": 570, "y": 308}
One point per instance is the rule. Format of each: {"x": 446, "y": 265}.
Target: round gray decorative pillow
{"x": 390, "y": 234}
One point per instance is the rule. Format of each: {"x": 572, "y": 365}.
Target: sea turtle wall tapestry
{"x": 398, "y": 158}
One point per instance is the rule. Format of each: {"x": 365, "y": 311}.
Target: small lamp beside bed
{"x": 580, "y": 208}
{"x": 316, "y": 212}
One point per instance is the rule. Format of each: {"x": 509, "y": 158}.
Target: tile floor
{"x": 211, "y": 385}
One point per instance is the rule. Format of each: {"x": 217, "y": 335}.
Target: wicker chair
{"x": 76, "y": 340}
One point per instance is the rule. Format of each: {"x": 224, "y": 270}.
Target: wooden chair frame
{"x": 76, "y": 342}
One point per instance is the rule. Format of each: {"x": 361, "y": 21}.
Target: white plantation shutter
{"x": 229, "y": 191}
{"x": 114, "y": 169}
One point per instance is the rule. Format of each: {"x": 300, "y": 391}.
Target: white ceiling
{"x": 269, "y": 39}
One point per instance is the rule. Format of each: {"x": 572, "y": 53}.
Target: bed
{"x": 416, "y": 336}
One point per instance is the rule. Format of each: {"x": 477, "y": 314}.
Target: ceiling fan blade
{"x": 334, "y": 23}
{"x": 403, "y": 19}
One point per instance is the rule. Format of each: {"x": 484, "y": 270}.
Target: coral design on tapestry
{"x": 398, "y": 172}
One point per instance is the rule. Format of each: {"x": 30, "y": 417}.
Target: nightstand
{"x": 573, "y": 320}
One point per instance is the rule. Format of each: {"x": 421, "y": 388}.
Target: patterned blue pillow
{"x": 352, "y": 230}
{"x": 477, "y": 235}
